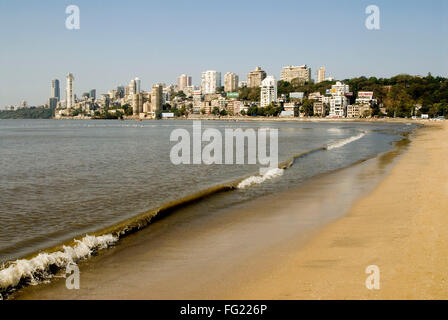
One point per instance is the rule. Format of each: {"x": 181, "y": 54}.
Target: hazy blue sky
{"x": 158, "y": 40}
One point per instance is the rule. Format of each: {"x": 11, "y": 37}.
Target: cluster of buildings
{"x": 210, "y": 96}
{"x": 335, "y": 103}
{"x": 22, "y": 105}
{"x": 143, "y": 103}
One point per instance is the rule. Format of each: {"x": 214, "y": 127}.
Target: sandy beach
{"x": 400, "y": 227}
{"x": 388, "y": 211}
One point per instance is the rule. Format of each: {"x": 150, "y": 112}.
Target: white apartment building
{"x": 211, "y": 80}
{"x": 364, "y": 97}
{"x": 338, "y": 106}
{"x": 268, "y": 91}
{"x": 339, "y": 89}
{"x": 70, "y": 96}
{"x": 321, "y": 74}
{"x": 230, "y": 82}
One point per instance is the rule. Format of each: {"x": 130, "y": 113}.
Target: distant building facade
{"x": 338, "y": 106}
{"x": 255, "y": 77}
{"x": 70, "y": 96}
{"x": 93, "y": 94}
{"x": 230, "y": 82}
{"x": 268, "y": 91}
{"x": 55, "y": 89}
{"x": 321, "y": 74}
{"x": 156, "y": 98}
{"x": 303, "y": 73}
{"x": 319, "y": 109}
{"x": 211, "y": 80}
{"x": 339, "y": 89}
{"x": 183, "y": 81}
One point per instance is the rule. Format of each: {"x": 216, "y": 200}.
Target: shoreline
{"x": 399, "y": 227}
{"x": 259, "y": 119}
{"x": 253, "y": 208}
{"x": 135, "y": 223}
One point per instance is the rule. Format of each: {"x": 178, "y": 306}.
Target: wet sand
{"x": 300, "y": 244}
{"x": 401, "y": 227}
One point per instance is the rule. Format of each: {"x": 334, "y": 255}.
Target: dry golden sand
{"x": 402, "y": 227}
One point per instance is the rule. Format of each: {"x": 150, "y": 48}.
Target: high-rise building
{"x": 303, "y": 73}
{"x": 93, "y": 94}
{"x": 183, "y": 81}
{"x": 268, "y": 91}
{"x": 230, "y": 82}
{"x": 134, "y": 86}
{"x": 55, "y": 90}
{"x": 137, "y": 85}
{"x": 254, "y": 78}
{"x": 211, "y": 80}
{"x": 156, "y": 98}
{"x": 70, "y": 96}
{"x": 321, "y": 74}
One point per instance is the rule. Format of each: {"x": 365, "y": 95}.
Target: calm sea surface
{"x": 60, "y": 179}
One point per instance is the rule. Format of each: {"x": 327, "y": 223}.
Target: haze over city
{"x": 158, "y": 41}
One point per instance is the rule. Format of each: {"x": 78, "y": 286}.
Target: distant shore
{"x": 272, "y": 119}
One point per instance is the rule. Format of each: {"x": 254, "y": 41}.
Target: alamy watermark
{"x": 72, "y": 280}
{"x": 189, "y": 149}
{"x": 373, "y": 280}
{"x": 373, "y": 18}
{"x": 72, "y": 22}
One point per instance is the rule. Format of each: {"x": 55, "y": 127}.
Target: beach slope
{"x": 401, "y": 227}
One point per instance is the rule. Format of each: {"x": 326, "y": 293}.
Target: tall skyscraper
{"x": 183, "y": 81}
{"x": 321, "y": 74}
{"x": 255, "y": 77}
{"x": 137, "y": 85}
{"x": 210, "y": 81}
{"x": 134, "y": 86}
{"x": 70, "y": 96}
{"x": 230, "y": 82}
{"x": 303, "y": 73}
{"x": 268, "y": 91}
{"x": 55, "y": 90}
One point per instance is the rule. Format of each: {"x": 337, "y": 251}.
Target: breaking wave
{"x": 270, "y": 174}
{"x": 43, "y": 266}
{"x": 343, "y": 142}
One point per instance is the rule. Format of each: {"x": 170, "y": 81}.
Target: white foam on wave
{"x": 343, "y": 142}
{"x": 270, "y": 174}
{"x": 37, "y": 268}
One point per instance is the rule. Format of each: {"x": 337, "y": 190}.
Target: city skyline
{"x": 408, "y": 42}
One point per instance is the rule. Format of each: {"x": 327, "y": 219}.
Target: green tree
{"x": 307, "y": 107}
